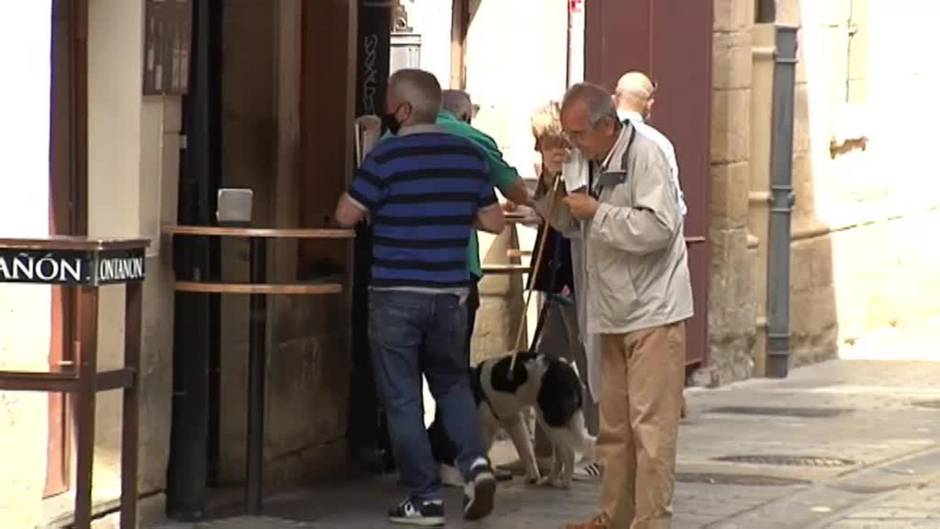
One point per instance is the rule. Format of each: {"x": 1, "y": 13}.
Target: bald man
{"x": 634, "y": 98}
{"x": 639, "y": 296}
{"x": 425, "y": 190}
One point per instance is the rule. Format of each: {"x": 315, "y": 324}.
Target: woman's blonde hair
{"x": 546, "y": 123}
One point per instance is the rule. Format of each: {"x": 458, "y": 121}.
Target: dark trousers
{"x": 473, "y": 304}
{"x": 445, "y": 450}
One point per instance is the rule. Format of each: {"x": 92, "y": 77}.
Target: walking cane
{"x": 532, "y": 279}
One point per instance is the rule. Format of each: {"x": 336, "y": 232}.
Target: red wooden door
{"x": 671, "y": 41}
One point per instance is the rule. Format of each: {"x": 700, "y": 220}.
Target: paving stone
{"x": 894, "y": 483}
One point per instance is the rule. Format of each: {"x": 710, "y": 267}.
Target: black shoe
{"x": 479, "y": 491}
{"x": 502, "y": 475}
{"x": 424, "y": 514}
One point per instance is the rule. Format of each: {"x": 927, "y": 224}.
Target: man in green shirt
{"x": 504, "y": 177}
{"x": 454, "y": 117}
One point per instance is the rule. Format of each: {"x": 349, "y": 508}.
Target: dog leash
{"x": 536, "y": 265}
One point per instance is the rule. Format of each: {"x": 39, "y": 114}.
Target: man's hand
{"x": 582, "y": 205}
{"x": 518, "y": 194}
{"x": 349, "y": 213}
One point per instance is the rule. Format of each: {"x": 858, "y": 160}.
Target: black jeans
{"x": 473, "y": 304}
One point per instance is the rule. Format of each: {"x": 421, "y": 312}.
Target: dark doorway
{"x": 367, "y": 433}
{"x": 229, "y": 41}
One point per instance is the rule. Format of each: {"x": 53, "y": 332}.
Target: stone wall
{"x": 731, "y": 310}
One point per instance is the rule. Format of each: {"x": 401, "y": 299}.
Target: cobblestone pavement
{"x": 868, "y": 433}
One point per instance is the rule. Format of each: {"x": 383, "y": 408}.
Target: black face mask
{"x": 390, "y": 122}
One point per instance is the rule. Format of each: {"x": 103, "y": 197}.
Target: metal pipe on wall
{"x": 781, "y": 186}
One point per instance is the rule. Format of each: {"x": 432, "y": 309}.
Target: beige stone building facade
{"x": 862, "y": 258}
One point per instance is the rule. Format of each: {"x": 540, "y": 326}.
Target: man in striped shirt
{"x": 424, "y": 190}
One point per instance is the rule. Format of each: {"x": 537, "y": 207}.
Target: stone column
{"x": 501, "y": 301}
{"x": 731, "y": 302}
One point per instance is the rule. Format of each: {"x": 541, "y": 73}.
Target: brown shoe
{"x": 601, "y": 521}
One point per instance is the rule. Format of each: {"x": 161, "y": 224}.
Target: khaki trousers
{"x": 640, "y": 405}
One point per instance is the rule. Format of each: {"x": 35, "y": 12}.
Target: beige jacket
{"x": 636, "y": 260}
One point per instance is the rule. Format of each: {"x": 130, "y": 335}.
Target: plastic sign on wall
{"x": 167, "y": 46}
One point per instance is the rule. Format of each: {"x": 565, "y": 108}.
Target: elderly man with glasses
{"x": 639, "y": 297}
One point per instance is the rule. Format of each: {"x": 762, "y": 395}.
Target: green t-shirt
{"x": 502, "y": 175}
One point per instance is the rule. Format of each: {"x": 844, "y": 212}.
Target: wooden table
{"x": 258, "y": 289}
{"x": 82, "y": 265}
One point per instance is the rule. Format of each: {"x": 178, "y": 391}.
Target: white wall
{"x": 432, "y": 20}
{"x": 133, "y": 167}
{"x": 25, "y": 38}
{"x": 883, "y": 202}
{"x": 516, "y": 61}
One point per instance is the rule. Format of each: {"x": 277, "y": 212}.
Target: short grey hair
{"x": 421, "y": 90}
{"x": 457, "y": 102}
{"x": 598, "y": 101}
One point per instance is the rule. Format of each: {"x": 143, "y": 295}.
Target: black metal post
{"x": 256, "y": 375}
{"x": 368, "y": 437}
{"x": 781, "y": 187}
{"x": 194, "y": 317}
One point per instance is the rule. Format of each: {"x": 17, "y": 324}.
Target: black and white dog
{"x": 551, "y": 387}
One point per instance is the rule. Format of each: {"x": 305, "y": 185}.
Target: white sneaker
{"x": 587, "y": 470}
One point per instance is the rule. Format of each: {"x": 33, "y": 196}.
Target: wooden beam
{"x": 253, "y": 288}
{"x": 460, "y": 23}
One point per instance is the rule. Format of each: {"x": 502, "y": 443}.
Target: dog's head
{"x": 534, "y": 365}
{"x": 526, "y": 376}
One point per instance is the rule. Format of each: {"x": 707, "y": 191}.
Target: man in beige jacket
{"x": 639, "y": 297}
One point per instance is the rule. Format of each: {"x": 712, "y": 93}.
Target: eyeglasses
{"x": 574, "y": 136}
